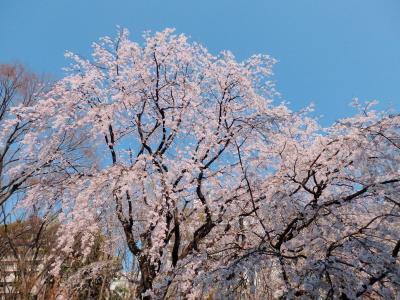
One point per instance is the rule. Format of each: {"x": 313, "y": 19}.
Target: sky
{"x": 328, "y": 51}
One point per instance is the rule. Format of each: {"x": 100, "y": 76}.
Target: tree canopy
{"x": 185, "y": 159}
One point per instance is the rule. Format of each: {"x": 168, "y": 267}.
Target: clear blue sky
{"x": 329, "y": 51}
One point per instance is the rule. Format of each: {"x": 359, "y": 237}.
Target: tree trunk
{"x": 148, "y": 273}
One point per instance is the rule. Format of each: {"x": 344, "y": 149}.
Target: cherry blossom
{"x": 184, "y": 158}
